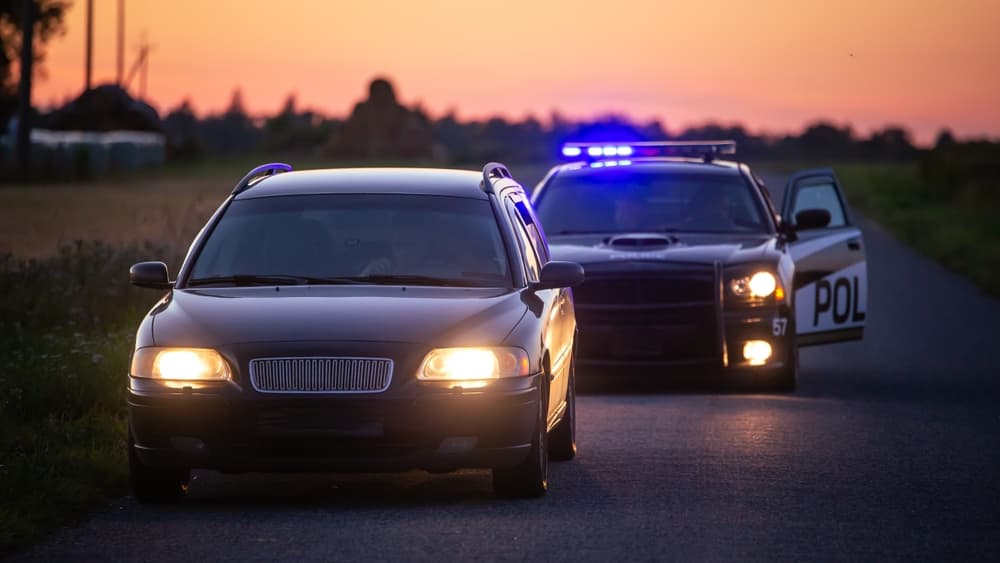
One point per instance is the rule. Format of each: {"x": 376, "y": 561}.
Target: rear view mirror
{"x": 559, "y": 274}
{"x": 812, "y": 219}
{"x": 150, "y": 274}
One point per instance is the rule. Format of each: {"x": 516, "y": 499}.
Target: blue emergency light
{"x": 596, "y": 151}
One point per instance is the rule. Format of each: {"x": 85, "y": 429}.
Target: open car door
{"x": 831, "y": 275}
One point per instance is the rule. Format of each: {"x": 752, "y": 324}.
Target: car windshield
{"x": 355, "y": 238}
{"x": 623, "y": 200}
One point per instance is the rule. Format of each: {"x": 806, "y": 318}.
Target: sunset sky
{"x": 773, "y": 65}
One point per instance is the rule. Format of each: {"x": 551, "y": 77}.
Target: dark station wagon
{"x": 358, "y": 320}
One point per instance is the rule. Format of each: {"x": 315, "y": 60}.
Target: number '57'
{"x": 778, "y": 326}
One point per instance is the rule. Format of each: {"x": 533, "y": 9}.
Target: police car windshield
{"x": 622, "y": 200}
{"x": 343, "y": 238}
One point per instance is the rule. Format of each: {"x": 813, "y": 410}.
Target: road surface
{"x": 889, "y": 450}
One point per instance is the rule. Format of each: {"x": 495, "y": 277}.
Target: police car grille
{"x": 644, "y": 290}
{"x": 648, "y": 317}
{"x": 320, "y": 375}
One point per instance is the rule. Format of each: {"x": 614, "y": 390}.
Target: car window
{"x": 820, "y": 196}
{"x": 532, "y": 264}
{"x": 623, "y": 200}
{"x": 533, "y": 228}
{"x": 349, "y": 235}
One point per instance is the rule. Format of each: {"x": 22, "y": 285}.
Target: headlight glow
{"x": 180, "y": 364}
{"x": 760, "y": 285}
{"x": 757, "y": 352}
{"x": 473, "y": 364}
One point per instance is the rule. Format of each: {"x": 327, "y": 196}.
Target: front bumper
{"x": 425, "y": 425}
{"x": 709, "y": 343}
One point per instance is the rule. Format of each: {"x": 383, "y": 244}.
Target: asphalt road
{"x": 889, "y": 451}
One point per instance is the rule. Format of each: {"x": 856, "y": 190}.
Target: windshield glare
{"x": 622, "y": 201}
{"x": 450, "y": 239}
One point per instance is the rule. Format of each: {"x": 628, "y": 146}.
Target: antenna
{"x": 141, "y": 65}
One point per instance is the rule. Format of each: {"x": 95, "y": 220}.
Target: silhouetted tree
{"x": 231, "y": 132}
{"x": 380, "y": 127}
{"x": 944, "y": 139}
{"x": 107, "y": 107}
{"x": 891, "y": 143}
{"x": 49, "y": 24}
{"x": 181, "y": 127}
{"x": 825, "y": 141}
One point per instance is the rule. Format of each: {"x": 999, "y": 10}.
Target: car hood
{"x": 674, "y": 247}
{"x": 439, "y": 316}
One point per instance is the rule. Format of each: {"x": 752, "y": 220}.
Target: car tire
{"x": 562, "y": 439}
{"x": 153, "y": 485}
{"x": 530, "y": 478}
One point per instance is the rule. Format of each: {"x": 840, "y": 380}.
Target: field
{"x": 67, "y": 313}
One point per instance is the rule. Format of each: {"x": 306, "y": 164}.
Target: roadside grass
{"x": 56, "y": 471}
{"x": 66, "y": 329}
{"x": 954, "y": 225}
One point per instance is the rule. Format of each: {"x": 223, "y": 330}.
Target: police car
{"x": 689, "y": 264}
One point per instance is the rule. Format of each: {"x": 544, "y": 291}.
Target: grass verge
{"x": 66, "y": 330}
{"x": 955, "y": 225}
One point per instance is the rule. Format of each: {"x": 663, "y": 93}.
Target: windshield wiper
{"x": 575, "y": 232}
{"x": 276, "y": 279}
{"x": 411, "y": 279}
{"x": 247, "y": 279}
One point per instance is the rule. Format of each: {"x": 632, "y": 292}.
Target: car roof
{"x": 659, "y": 164}
{"x": 418, "y": 181}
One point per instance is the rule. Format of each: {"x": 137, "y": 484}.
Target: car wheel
{"x": 152, "y": 484}
{"x": 529, "y": 479}
{"x": 562, "y": 440}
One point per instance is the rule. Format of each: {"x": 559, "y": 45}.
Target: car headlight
{"x": 473, "y": 364}
{"x": 180, "y": 364}
{"x": 758, "y": 285}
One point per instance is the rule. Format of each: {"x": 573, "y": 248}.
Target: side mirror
{"x": 788, "y": 230}
{"x": 150, "y": 274}
{"x": 559, "y": 274}
{"x": 812, "y": 219}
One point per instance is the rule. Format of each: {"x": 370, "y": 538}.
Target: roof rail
{"x": 494, "y": 170}
{"x": 262, "y": 171}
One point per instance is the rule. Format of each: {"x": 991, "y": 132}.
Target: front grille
{"x": 665, "y": 316}
{"x": 320, "y": 375}
{"x": 645, "y": 290}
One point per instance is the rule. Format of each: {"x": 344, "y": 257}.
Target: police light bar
{"x": 594, "y": 151}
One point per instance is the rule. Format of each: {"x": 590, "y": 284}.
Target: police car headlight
{"x": 473, "y": 364}
{"x": 180, "y": 364}
{"x": 758, "y": 285}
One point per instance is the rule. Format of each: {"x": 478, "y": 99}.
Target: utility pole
{"x": 90, "y": 44}
{"x": 121, "y": 42}
{"x": 24, "y": 88}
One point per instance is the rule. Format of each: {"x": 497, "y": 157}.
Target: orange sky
{"x": 773, "y": 65}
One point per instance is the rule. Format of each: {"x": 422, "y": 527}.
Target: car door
{"x": 560, "y": 344}
{"x": 831, "y": 274}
